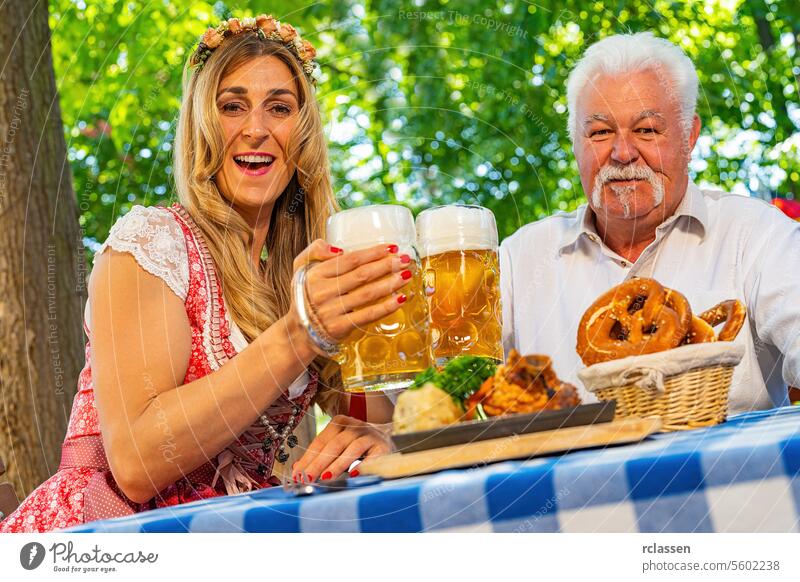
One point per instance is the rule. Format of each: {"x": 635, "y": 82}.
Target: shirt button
{"x": 623, "y": 263}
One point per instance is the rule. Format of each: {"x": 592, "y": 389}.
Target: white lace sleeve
{"x": 156, "y": 241}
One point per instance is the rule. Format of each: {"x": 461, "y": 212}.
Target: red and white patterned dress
{"x": 166, "y": 243}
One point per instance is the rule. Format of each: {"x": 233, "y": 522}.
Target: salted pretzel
{"x": 677, "y": 301}
{"x": 636, "y": 317}
{"x": 731, "y": 312}
{"x": 699, "y": 332}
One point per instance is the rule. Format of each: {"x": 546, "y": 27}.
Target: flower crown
{"x": 267, "y": 28}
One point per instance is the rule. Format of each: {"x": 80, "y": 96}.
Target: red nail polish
{"x": 401, "y": 298}
{"x": 336, "y": 250}
{"x": 406, "y": 275}
{"x": 354, "y": 473}
{"x": 405, "y": 259}
{"x": 392, "y": 248}
{"x": 326, "y": 475}
{"x": 310, "y": 477}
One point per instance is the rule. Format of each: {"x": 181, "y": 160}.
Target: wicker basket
{"x": 686, "y": 387}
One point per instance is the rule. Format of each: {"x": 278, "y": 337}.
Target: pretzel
{"x": 699, "y": 332}
{"x": 732, "y": 312}
{"x": 677, "y": 301}
{"x": 636, "y": 317}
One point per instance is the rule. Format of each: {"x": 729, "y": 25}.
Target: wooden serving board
{"x": 523, "y": 446}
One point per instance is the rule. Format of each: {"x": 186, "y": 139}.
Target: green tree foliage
{"x": 429, "y": 101}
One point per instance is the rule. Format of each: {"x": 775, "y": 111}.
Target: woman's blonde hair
{"x": 255, "y": 300}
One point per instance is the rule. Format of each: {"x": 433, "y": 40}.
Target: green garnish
{"x": 423, "y": 378}
{"x": 460, "y": 377}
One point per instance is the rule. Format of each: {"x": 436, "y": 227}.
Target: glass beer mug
{"x": 389, "y": 353}
{"x": 458, "y": 245}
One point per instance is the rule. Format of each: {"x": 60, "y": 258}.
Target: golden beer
{"x": 465, "y": 312}
{"x": 389, "y": 353}
{"x": 462, "y": 280}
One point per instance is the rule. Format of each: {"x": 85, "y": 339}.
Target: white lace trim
{"x": 156, "y": 241}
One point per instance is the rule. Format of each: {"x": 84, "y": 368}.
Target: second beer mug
{"x": 389, "y": 353}
{"x": 458, "y": 244}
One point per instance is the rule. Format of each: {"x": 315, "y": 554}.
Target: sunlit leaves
{"x": 430, "y": 101}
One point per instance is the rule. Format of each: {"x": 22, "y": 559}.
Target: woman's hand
{"x": 352, "y": 289}
{"x": 342, "y": 442}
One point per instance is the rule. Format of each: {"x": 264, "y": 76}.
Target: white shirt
{"x": 715, "y": 247}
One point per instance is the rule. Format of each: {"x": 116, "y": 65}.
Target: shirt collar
{"x": 692, "y": 206}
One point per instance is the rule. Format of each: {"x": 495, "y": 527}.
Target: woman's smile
{"x": 254, "y": 163}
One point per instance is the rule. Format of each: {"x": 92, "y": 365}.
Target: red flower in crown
{"x": 267, "y": 23}
{"x": 234, "y": 25}
{"x": 212, "y": 39}
{"x": 287, "y": 32}
{"x": 309, "y": 50}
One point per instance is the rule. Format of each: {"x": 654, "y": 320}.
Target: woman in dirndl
{"x": 200, "y": 368}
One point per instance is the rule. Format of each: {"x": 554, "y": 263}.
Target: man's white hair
{"x": 629, "y": 53}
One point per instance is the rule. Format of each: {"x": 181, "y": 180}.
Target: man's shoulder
{"x": 549, "y": 231}
{"x": 731, "y": 201}
{"x": 738, "y": 209}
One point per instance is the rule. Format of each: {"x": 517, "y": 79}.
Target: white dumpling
{"x": 424, "y": 408}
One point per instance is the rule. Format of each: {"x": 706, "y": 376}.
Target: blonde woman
{"x": 200, "y": 370}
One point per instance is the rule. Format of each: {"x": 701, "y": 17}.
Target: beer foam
{"x": 366, "y": 226}
{"x": 455, "y": 227}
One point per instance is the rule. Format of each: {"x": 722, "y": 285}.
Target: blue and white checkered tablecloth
{"x": 743, "y": 475}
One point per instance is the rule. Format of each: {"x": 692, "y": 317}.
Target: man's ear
{"x": 694, "y": 133}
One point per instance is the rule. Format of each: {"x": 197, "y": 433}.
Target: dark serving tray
{"x": 503, "y": 426}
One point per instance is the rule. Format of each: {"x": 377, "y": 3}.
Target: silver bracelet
{"x": 323, "y": 344}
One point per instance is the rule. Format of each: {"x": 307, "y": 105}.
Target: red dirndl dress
{"x": 167, "y": 243}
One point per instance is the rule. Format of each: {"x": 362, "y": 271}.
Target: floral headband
{"x": 267, "y": 28}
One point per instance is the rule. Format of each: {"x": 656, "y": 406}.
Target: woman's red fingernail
{"x": 392, "y": 248}
{"x": 406, "y": 275}
{"x": 405, "y": 259}
{"x": 354, "y": 473}
{"x": 326, "y": 475}
{"x": 336, "y": 250}
{"x": 401, "y": 298}
{"x": 310, "y": 477}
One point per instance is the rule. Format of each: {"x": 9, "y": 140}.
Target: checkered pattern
{"x": 742, "y": 476}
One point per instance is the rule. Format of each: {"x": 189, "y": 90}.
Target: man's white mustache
{"x": 608, "y": 174}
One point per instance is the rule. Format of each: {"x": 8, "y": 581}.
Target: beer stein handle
{"x": 322, "y": 342}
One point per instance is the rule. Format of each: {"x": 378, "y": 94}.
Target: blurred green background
{"x": 429, "y": 101}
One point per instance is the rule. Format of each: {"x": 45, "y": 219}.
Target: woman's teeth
{"x": 253, "y": 162}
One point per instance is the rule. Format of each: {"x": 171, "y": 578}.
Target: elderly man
{"x": 633, "y": 126}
